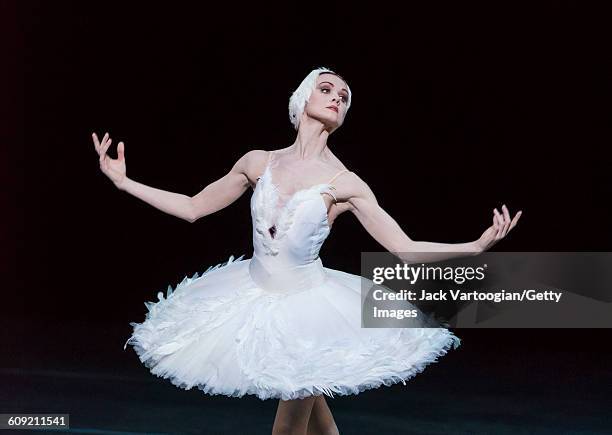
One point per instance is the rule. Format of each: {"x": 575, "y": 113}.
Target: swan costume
{"x": 279, "y": 325}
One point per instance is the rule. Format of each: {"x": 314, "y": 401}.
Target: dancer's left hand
{"x": 502, "y": 224}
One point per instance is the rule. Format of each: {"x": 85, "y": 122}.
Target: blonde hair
{"x": 300, "y": 96}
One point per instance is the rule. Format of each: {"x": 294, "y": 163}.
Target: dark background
{"x": 456, "y": 109}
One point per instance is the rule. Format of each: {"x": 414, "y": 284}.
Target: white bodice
{"x": 287, "y": 237}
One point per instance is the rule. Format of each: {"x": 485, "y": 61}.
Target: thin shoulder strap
{"x": 267, "y": 163}
{"x": 270, "y": 156}
{"x": 335, "y": 176}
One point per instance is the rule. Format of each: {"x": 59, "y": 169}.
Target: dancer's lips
{"x": 333, "y": 108}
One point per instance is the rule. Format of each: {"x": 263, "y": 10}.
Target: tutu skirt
{"x": 223, "y": 334}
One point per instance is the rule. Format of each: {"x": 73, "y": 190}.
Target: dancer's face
{"x": 330, "y": 91}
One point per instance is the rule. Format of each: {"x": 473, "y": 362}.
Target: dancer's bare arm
{"x": 229, "y": 188}
{"x": 212, "y": 198}
{"x": 386, "y": 231}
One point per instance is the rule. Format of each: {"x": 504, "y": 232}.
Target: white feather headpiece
{"x": 300, "y": 96}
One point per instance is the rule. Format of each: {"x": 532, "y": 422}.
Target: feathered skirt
{"x": 222, "y": 333}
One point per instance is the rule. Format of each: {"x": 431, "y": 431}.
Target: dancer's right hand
{"x": 112, "y": 168}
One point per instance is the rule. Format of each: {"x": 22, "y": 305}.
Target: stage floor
{"x": 474, "y": 389}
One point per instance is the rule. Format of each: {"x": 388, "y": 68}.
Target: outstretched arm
{"x": 386, "y": 231}
{"x": 227, "y": 189}
{"x": 212, "y": 198}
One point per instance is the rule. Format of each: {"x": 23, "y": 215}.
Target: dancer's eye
{"x": 344, "y": 97}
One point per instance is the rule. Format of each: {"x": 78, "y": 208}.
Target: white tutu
{"x": 224, "y": 335}
{"x": 280, "y": 324}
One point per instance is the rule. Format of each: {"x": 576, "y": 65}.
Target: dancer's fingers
{"x": 498, "y": 218}
{"x": 515, "y": 220}
{"x": 121, "y": 151}
{"x": 108, "y": 144}
{"x": 506, "y": 213}
{"x": 96, "y": 142}
{"x": 495, "y": 224}
{"x": 500, "y": 224}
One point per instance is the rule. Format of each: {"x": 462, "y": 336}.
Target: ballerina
{"x": 280, "y": 325}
